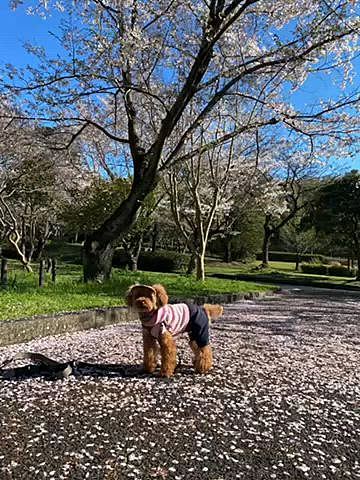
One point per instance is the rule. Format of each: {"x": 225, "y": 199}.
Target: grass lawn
{"x": 277, "y": 271}
{"x": 23, "y": 298}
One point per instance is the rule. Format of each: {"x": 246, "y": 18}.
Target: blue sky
{"x": 16, "y": 28}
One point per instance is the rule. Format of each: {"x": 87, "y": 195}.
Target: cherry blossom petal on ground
{"x": 282, "y": 402}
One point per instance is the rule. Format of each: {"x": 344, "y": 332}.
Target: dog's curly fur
{"x": 145, "y": 299}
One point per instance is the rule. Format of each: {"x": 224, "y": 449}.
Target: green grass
{"x": 238, "y": 267}
{"x": 24, "y": 298}
{"x": 277, "y": 271}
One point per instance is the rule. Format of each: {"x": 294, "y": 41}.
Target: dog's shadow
{"x": 84, "y": 369}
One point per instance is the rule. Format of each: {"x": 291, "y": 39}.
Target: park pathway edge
{"x": 24, "y": 329}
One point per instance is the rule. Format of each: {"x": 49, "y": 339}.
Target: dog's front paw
{"x": 149, "y": 368}
{"x": 166, "y": 373}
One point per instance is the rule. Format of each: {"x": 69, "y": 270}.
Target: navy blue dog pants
{"x": 198, "y": 325}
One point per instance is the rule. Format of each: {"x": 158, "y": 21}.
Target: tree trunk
{"x": 200, "y": 266}
{"x": 266, "y": 247}
{"x": 24, "y": 261}
{"x": 97, "y": 261}
{"x": 98, "y": 250}
{"x": 268, "y": 232}
{"x": 32, "y": 236}
{"x": 132, "y": 249}
{"x": 191, "y": 264}
{"x": 4, "y": 273}
{"x": 297, "y": 262}
{"x": 133, "y": 263}
{"x": 23, "y": 237}
{"x": 31, "y": 252}
{"x": 48, "y": 265}
{"x": 154, "y": 237}
{"x": 134, "y": 257}
{"x": 228, "y": 252}
{"x": 53, "y": 270}
{"x": 37, "y": 252}
{"x": 41, "y": 273}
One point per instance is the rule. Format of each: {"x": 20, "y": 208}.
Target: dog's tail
{"x": 213, "y": 311}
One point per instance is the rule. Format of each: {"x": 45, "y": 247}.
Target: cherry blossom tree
{"x": 200, "y": 189}
{"x": 288, "y": 184}
{"x": 34, "y": 187}
{"x": 132, "y": 70}
{"x": 246, "y": 209}
{"x": 208, "y": 192}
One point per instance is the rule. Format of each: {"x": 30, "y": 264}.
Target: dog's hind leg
{"x": 151, "y": 350}
{"x": 194, "y": 346}
{"x": 213, "y": 311}
{"x": 203, "y": 360}
{"x": 168, "y": 354}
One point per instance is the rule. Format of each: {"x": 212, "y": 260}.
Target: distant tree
{"x": 34, "y": 183}
{"x": 298, "y": 239}
{"x": 336, "y": 211}
{"x": 287, "y": 190}
{"x": 238, "y": 228}
{"x": 243, "y": 241}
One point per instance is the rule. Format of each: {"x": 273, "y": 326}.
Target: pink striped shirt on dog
{"x": 173, "y": 318}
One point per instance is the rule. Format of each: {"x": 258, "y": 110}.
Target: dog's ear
{"x": 129, "y": 296}
{"x": 161, "y": 295}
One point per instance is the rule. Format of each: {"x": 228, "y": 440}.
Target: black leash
{"x": 53, "y": 370}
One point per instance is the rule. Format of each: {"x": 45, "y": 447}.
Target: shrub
{"x": 336, "y": 260}
{"x": 332, "y": 270}
{"x": 333, "y": 263}
{"x": 291, "y": 257}
{"x": 64, "y": 251}
{"x": 160, "y": 261}
{"x": 341, "y": 271}
{"x": 163, "y": 261}
{"x": 9, "y": 252}
{"x": 120, "y": 259}
{"x": 314, "y": 268}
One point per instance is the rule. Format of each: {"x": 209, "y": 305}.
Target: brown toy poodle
{"x": 162, "y": 322}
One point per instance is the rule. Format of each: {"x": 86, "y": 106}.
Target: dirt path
{"x": 283, "y": 402}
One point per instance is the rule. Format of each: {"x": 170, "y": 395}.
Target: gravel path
{"x": 283, "y": 402}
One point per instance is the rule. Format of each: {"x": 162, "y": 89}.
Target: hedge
{"x": 291, "y": 257}
{"x": 332, "y": 270}
{"x": 163, "y": 261}
{"x": 9, "y": 252}
{"x": 159, "y": 261}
